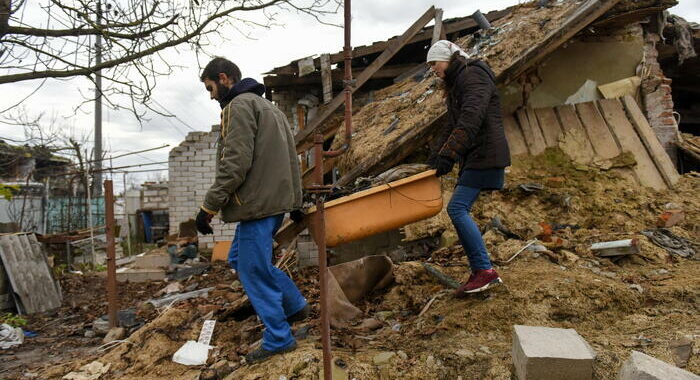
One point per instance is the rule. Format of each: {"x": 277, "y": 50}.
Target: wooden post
{"x": 326, "y": 78}
{"x": 437, "y": 30}
{"x": 111, "y": 260}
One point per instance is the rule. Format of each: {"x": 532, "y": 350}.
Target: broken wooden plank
{"x": 516, "y": 142}
{"x": 326, "y": 79}
{"x": 289, "y": 231}
{"x": 579, "y": 19}
{"x": 569, "y": 118}
{"x": 302, "y": 138}
{"x": 598, "y": 132}
{"x": 645, "y": 169}
{"x": 437, "y": 29}
{"x": 651, "y": 142}
{"x": 549, "y": 124}
{"x": 533, "y": 136}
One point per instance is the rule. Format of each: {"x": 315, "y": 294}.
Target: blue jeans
{"x": 469, "y": 235}
{"x": 271, "y": 292}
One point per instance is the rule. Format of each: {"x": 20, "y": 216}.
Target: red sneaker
{"x": 479, "y": 281}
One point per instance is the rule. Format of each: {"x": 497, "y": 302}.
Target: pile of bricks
{"x": 192, "y": 167}
{"x": 656, "y": 92}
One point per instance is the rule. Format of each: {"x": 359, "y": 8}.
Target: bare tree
{"x": 43, "y": 39}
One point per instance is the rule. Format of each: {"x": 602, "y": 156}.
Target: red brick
{"x": 670, "y": 218}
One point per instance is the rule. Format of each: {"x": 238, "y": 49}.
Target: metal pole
{"x": 320, "y": 228}
{"x": 128, "y": 221}
{"x": 97, "y": 190}
{"x": 111, "y": 261}
{"x": 89, "y": 212}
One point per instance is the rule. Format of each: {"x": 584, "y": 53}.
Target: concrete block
{"x": 545, "y": 353}
{"x": 644, "y": 367}
{"x": 152, "y": 261}
{"x": 141, "y": 275}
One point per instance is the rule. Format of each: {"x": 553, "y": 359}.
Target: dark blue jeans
{"x": 469, "y": 235}
{"x": 271, "y": 292}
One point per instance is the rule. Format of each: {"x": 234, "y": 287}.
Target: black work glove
{"x": 203, "y": 220}
{"x": 296, "y": 216}
{"x": 443, "y": 165}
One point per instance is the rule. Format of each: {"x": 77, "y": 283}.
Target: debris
{"x": 616, "y": 248}
{"x": 531, "y": 187}
{"x": 586, "y": 93}
{"x": 370, "y": 324}
{"x": 670, "y": 242}
{"x": 643, "y": 366}
{"x": 10, "y": 336}
{"x": 91, "y": 371}
{"x": 140, "y": 275}
{"x": 27, "y": 268}
{"x": 173, "y": 287}
{"x": 172, "y": 299}
{"x": 196, "y": 353}
{"x": 350, "y": 282}
{"x": 637, "y": 287}
{"x": 441, "y": 277}
{"x": 546, "y": 353}
{"x": 151, "y": 262}
{"x": 383, "y": 357}
{"x": 192, "y": 353}
{"x": 497, "y": 224}
{"x": 427, "y": 305}
{"x": 465, "y": 353}
{"x": 115, "y": 333}
{"x": 670, "y": 218}
{"x": 620, "y": 88}
{"x": 528, "y": 244}
{"x": 681, "y": 350}
{"x": 184, "y": 273}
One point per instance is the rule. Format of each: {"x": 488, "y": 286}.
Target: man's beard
{"x": 221, "y": 91}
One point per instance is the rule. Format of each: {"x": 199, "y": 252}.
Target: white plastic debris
{"x": 192, "y": 353}
{"x": 10, "y": 336}
{"x": 196, "y": 353}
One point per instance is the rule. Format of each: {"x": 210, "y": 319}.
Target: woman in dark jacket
{"x": 474, "y": 138}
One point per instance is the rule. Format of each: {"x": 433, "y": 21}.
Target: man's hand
{"x": 443, "y": 165}
{"x": 203, "y": 222}
{"x": 296, "y": 216}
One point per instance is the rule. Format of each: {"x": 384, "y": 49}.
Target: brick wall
{"x": 154, "y": 195}
{"x": 191, "y": 172}
{"x": 656, "y": 93}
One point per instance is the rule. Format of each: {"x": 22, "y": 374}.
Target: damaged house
{"x": 592, "y": 79}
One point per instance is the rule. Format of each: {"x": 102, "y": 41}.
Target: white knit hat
{"x": 443, "y": 50}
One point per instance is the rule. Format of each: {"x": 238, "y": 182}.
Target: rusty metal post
{"x": 320, "y": 232}
{"x": 111, "y": 261}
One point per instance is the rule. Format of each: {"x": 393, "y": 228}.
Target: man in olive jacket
{"x": 257, "y": 181}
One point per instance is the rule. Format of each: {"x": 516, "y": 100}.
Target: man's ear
{"x": 223, "y": 78}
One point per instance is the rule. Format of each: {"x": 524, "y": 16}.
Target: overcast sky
{"x": 183, "y": 95}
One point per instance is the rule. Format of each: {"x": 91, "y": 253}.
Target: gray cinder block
{"x": 644, "y": 367}
{"x": 545, "y": 353}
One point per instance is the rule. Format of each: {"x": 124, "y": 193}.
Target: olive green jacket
{"x": 257, "y": 170}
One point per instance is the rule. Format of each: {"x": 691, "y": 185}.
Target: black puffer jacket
{"x": 473, "y": 135}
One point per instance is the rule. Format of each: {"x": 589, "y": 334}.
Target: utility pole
{"x": 97, "y": 180}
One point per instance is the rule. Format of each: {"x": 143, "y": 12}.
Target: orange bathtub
{"x": 382, "y": 208}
